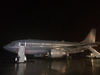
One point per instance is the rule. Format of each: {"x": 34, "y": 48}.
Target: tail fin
{"x": 90, "y": 37}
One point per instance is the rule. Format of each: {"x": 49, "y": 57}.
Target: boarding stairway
{"x": 21, "y": 52}
{"x": 94, "y": 52}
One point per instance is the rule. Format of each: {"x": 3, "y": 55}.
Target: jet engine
{"x": 55, "y": 53}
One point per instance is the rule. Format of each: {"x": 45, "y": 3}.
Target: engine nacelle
{"x": 55, "y": 53}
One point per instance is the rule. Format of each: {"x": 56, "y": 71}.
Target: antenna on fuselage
{"x": 63, "y": 41}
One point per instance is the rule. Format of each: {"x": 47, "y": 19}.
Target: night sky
{"x": 48, "y": 20}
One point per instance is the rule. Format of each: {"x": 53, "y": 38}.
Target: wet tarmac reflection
{"x": 52, "y": 67}
{"x": 20, "y": 68}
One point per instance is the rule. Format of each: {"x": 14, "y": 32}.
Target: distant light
{"x": 25, "y": 58}
{"x": 46, "y": 55}
{"x": 63, "y": 71}
{"x": 64, "y": 53}
{"x": 91, "y": 54}
{"x": 82, "y": 51}
{"x": 51, "y": 52}
{"x": 41, "y": 46}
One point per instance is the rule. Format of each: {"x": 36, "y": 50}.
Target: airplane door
{"x": 22, "y": 43}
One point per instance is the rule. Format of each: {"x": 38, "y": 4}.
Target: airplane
{"x": 53, "y": 49}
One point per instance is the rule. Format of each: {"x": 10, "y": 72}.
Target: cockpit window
{"x": 12, "y": 43}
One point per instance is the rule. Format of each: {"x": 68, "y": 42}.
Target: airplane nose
{"x": 5, "y": 47}
{"x": 10, "y": 48}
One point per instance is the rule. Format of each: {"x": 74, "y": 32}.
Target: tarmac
{"x": 74, "y": 66}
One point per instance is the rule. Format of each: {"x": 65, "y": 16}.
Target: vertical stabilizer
{"x": 90, "y": 37}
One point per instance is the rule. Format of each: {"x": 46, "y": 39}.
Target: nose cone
{"x": 11, "y": 48}
{"x": 5, "y": 47}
